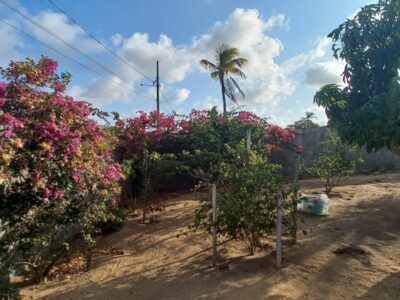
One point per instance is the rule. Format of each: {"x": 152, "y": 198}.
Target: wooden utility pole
{"x": 158, "y": 89}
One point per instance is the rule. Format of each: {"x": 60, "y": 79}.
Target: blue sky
{"x": 284, "y": 41}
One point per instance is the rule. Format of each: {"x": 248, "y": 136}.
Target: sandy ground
{"x": 161, "y": 262}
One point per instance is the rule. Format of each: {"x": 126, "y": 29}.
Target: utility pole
{"x": 158, "y": 89}
{"x": 157, "y": 84}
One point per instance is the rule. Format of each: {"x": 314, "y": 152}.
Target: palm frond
{"x": 239, "y": 62}
{"x": 215, "y": 75}
{"x": 237, "y": 86}
{"x": 230, "y": 90}
{"x": 208, "y": 65}
{"x": 237, "y": 72}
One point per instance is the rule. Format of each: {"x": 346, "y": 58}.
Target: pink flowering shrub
{"x": 56, "y": 163}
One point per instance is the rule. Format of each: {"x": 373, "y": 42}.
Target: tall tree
{"x": 366, "y": 110}
{"x": 227, "y": 64}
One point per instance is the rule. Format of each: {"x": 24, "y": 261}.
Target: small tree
{"x": 333, "y": 163}
{"x": 247, "y": 201}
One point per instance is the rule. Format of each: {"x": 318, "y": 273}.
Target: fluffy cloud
{"x": 139, "y": 51}
{"x": 323, "y": 73}
{"x": 59, "y": 25}
{"x": 101, "y": 91}
{"x": 267, "y": 82}
{"x": 11, "y": 43}
{"x": 179, "y": 96}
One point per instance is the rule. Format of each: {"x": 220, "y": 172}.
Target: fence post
{"x": 214, "y": 220}
{"x": 279, "y": 233}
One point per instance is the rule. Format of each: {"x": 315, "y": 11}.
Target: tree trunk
{"x": 221, "y": 80}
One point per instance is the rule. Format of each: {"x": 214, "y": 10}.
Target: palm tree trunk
{"x": 221, "y": 80}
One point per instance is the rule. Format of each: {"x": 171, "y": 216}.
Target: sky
{"x": 289, "y": 56}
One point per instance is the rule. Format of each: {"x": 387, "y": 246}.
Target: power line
{"x": 166, "y": 101}
{"x": 61, "y": 40}
{"x": 66, "y": 56}
{"x": 99, "y": 42}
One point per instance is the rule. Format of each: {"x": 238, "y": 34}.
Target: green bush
{"x": 333, "y": 163}
{"x": 248, "y": 192}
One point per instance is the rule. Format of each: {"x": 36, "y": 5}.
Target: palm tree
{"x": 228, "y": 64}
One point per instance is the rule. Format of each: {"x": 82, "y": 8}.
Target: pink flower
{"x": 47, "y": 193}
{"x": 3, "y": 89}
{"x": 59, "y": 193}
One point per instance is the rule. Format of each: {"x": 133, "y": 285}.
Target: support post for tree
{"x": 248, "y": 140}
{"x": 279, "y": 233}
{"x": 214, "y": 220}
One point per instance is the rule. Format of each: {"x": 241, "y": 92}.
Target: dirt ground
{"x": 160, "y": 261}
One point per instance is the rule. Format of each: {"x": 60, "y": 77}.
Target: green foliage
{"x": 213, "y": 142}
{"x": 366, "y": 111}
{"x": 333, "y": 163}
{"x": 114, "y": 223}
{"x": 306, "y": 121}
{"x": 248, "y": 192}
{"x": 154, "y": 169}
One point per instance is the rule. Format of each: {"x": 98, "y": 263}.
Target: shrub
{"x": 247, "y": 200}
{"x": 56, "y": 168}
{"x": 333, "y": 163}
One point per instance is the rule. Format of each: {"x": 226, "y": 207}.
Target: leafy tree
{"x": 366, "y": 110}
{"x": 306, "y": 121}
{"x": 334, "y": 162}
{"x": 227, "y": 63}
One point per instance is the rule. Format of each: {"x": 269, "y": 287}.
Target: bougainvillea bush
{"x": 57, "y": 172}
{"x": 211, "y": 148}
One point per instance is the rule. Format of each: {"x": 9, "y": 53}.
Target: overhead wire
{"x": 100, "y": 42}
{"x": 63, "y": 54}
{"x": 166, "y": 101}
{"x": 16, "y": 10}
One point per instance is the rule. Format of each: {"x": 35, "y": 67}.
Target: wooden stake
{"x": 214, "y": 219}
{"x": 248, "y": 140}
{"x": 279, "y": 233}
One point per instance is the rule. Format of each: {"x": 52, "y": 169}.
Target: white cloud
{"x": 175, "y": 62}
{"x": 58, "y": 24}
{"x": 323, "y": 73}
{"x": 267, "y": 82}
{"x": 319, "y": 51}
{"x": 11, "y": 44}
{"x": 101, "y": 91}
{"x": 208, "y": 103}
{"x": 179, "y": 96}
{"x": 278, "y": 20}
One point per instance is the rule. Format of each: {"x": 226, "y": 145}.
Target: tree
{"x": 366, "y": 110}
{"x": 306, "y": 122}
{"x": 228, "y": 63}
{"x": 334, "y": 162}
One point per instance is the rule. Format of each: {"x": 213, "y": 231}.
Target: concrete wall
{"x": 381, "y": 161}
